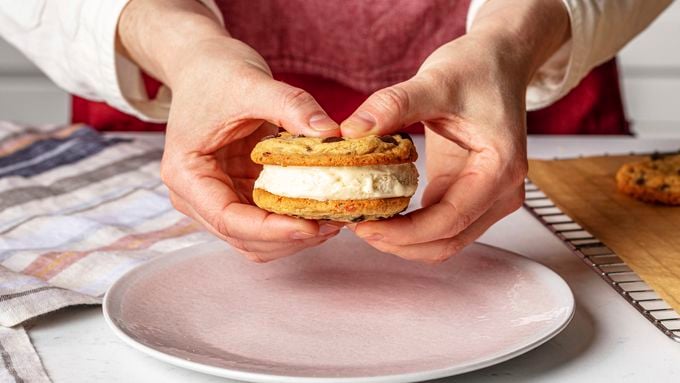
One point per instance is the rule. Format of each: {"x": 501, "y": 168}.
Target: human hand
{"x": 221, "y": 108}
{"x": 224, "y": 101}
{"x": 475, "y": 151}
{"x": 470, "y": 95}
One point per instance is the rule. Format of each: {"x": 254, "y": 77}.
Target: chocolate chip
{"x": 640, "y": 181}
{"x": 388, "y": 139}
{"x": 266, "y": 154}
{"x": 332, "y": 139}
{"x": 269, "y": 137}
{"x": 656, "y": 156}
{"x": 358, "y": 219}
{"x": 405, "y": 136}
{"x": 299, "y": 136}
{"x": 664, "y": 187}
{"x": 308, "y": 148}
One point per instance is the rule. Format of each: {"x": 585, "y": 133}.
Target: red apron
{"x": 340, "y": 52}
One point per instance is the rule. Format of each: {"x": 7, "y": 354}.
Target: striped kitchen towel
{"x": 77, "y": 210}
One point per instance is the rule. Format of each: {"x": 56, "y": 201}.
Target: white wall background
{"x": 25, "y": 94}
{"x": 650, "y": 67}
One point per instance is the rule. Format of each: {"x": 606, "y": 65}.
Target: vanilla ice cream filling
{"x": 339, "y": 182}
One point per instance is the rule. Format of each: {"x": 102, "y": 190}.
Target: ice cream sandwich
{"x": 335, "y": 178}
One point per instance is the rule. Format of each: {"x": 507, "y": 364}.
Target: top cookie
{"x": 285, "y": 149}
{"x": 656, "y": 179}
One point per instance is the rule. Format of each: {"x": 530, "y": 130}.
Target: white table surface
{"x": 608, "y": 340}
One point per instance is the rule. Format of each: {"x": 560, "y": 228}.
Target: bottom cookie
{"x": 341, "y": 211}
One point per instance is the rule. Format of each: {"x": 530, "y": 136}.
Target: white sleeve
{"x": 599, "y": 29}
{"x": 73, "y": 42}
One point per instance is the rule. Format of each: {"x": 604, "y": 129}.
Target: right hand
{"x": 224, "y": 101}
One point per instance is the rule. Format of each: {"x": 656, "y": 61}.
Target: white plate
{"x": 342, "y": 312}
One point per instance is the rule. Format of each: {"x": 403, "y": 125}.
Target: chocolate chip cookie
{"x": 655, "y": 179}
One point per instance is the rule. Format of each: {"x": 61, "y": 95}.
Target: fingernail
{"x": 301, "y": 235}
{"x": 322, "y": 122}
{"x": 373, "y": 237}
{"x": 361, "y": 121}
{"x": 328, "y": 228}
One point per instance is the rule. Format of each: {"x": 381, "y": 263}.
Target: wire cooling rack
{"x": 604, "y": 262}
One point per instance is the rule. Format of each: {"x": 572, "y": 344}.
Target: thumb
{"x": 389, "y": 110}
{"x": 294, "y": 110}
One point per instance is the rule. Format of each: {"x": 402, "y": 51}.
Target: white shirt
{"x": 73, "y": 42}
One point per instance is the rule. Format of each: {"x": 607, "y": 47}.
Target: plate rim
{"x": 270, "y": 378}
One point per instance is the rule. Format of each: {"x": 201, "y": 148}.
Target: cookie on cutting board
{"x": 655, "y": 179}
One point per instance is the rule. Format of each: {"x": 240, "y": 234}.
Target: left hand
{"x": 470, "y": 95}
{"x": 471, "y": 101}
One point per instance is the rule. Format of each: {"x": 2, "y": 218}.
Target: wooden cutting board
{"x": 645, "y": 236}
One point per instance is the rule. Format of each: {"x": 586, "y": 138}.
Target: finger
{"x": 293, "y": 109}
{"x": 444, "y": 161}
{"x": 470, "y": 196}
{"x": 443, "y": 155}
{"x": 269, "y": 246}
{"x": 440, "y": 250}
{"x": 327, "y": 229}
{"x": 391, "y": 109}
{"x": 268, "y": 257}
{"x": 436, "y": 189}
{"x": 183, "y": 207}
{"x": 209, "y": 197}
{"x": 261, "y": 251}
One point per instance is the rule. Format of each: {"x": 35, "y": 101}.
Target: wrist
{"x": 223, "y": 57}
{"x": 160, "y": 35}
{"x": 525, "y": 33}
